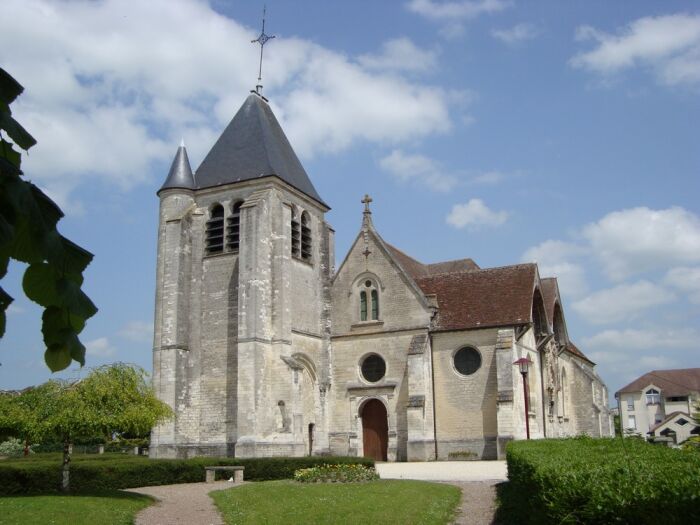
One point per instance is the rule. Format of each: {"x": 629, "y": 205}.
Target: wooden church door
{"x": 375, "y": 430}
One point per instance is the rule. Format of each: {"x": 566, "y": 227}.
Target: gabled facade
{"x": 262, "y": 348}
{"x": 649, "y": 400}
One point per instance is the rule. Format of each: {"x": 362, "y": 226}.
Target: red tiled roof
{"x": 573, "y": 349}
{"x": 677, "y": 382}
{"x": 417, "y": 269}
{"x": 481, "y": 298}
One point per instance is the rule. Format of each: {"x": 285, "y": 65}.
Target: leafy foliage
{"x": 336, "y": 474}
{"x": 585, "y": 480}
{"x": 13, "y": 447}
{"x": 28, "y": 234}
{"x": 41, "y": 473}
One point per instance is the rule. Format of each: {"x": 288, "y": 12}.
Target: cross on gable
{"x": 366, "y": 202}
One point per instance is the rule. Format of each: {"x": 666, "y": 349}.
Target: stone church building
{"x": 264, "y": 346}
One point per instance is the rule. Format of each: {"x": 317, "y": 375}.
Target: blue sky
{"x": 559, "y": 132}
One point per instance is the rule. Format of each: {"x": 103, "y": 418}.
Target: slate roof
{"x": 417, "y": 269}
{"x": 679, "y": 382}
{"x": 253, "y": 146}
{"x": 550, "y": 294}
{"x": 482, "y": 298}
{"x": 180, "y": 174}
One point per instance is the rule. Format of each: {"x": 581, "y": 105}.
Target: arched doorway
{"x": 375, "y": 430}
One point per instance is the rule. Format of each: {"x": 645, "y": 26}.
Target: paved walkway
{"x": 445, "y": 471}
{"x": 184, "y": 504}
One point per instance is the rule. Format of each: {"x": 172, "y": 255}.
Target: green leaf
{"x": 4, "y": 263}
{"x": 76, "y": 349}
{"x": 5, "y": 301}
{"x": 58, "y": 324}
{"x": 73, "y": 298}
{"x": 39, "y": 284}
{"x": 7, "y": 232}
{"x": 17, "y": 133}
{"x": 57, "y": 358}
{"x": 10, "y": 89}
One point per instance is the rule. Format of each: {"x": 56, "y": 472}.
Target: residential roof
{"x": 417, "y": 269}
{"x": 678, "y": 382}
{"x": 180, "y": 174}
{"x": 671, "y": 416}
{"x": 573, "y": 349}
{"x": 482, "y": 298}
{"x": 550, "y": 294}
{"x": 253, "y": 146}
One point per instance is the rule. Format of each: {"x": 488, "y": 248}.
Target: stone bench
{"x": 210, "y": 473}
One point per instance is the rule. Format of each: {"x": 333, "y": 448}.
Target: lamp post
{"x": 524, "y": 363}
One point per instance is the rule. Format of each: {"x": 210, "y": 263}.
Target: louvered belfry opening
{"x": 296, "y": 236}
{"x": 215, "y": 230}
{"x": 305, "y": 237}
{"x": 233, "y": 232}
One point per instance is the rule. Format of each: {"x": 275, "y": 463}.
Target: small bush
{"x": 461, "y": 455}
{"x": 13, "y": 448}
{"x": 113, "y": 471}
{"x": 584, "y": 480}
{"x": 347, "y": 473}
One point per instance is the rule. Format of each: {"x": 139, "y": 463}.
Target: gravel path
{"x": 478, "y": 506}
{"x": 184, "y": 504}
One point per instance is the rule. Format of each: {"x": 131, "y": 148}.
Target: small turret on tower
{"x": 180, "y": 174}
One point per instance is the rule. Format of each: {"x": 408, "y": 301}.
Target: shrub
{"x": 585, "y": 480}
{"x": 112, "y": 471}
{"x": 343, "y": 473}
{"x": 13, "y": 448}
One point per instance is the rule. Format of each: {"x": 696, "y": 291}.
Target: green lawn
{"x": 376, "y": 502}
{"x": 110, "y": 508}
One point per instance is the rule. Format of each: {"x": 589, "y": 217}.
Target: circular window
{"x": 368, "y": 284}
{"x": 373, "y": 368}
{"x": 467, "y": 360}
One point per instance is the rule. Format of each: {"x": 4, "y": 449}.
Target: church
{"x": 265, "y": 346}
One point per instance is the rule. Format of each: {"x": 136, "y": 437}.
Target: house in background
{"x": 660, "y": 403}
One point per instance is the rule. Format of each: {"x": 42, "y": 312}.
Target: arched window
{"x": 559, "y": 327}
{"x": 215, "y": 230}
{"x": 369, "y": 301}
{"x": 539, "y": 318}
{"x": 305, "y": 237}
{"x": 233, "y": 234}
{"x": 653, "y": 397}
{"x": 296, "y": 235}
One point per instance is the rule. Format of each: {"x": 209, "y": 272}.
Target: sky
{"x": 565, "y": 133}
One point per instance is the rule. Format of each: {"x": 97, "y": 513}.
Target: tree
{"x": 111, "y": 399}
{"x": 28, "y": 234}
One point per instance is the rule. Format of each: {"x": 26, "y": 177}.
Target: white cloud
{"x": 623, "y": 302}
{"x": 643, "y": 339}
{"x": 139, "y": 331}
{"x": 111, "y": 88}
{"x": 516, "y": 34}
{"x": 558, "y": 259}
{"x": 417, "y": 169}
{"x": 685, "y": 280}
{"x": 400, "y": 54}
{"x": 640, "y": 239}
{"x": 475, "y": 214}
{"x": 669, "y": 45}
{"x": 453, "y": 13}
{"x": 99, "y": 347}
{"x": 489, "y": 177}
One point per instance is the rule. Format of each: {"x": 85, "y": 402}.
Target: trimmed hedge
{"x": 586, "y": 480}
{"x": 91, "y": 473}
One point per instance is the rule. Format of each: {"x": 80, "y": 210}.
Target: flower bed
{"x": 343, "y": 473}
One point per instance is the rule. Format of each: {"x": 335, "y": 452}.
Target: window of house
{"x": 653, "y": 396}
{"x": 630, "y": 403}
{"x": 233, "y": 233}
{"x": 215, "y": 230}
{"x": 305, "y": 237}
{"x": 296, "y": 235}
{"x": 373, "y": 368}
{"x": 678, "y": 398}
{"x": 467, "y": 360}
{"x": 369, "y": 301}
{"x": 631, "y": 422}
{"x": 564, "y": 393}
{"x": 682, "y": 422}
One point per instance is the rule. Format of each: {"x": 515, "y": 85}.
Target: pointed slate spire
{"x": 180, "y": 175}
{"x": 253, "y": 146}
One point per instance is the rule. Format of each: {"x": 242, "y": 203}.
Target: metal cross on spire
{"x": 262, "y": 40}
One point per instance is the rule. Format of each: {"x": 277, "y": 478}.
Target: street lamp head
{"x": 523, "y": 363}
